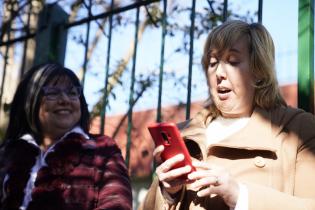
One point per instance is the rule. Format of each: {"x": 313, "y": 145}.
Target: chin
{"x": 66, "y": 127}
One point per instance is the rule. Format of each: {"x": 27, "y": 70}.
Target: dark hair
{"x": 24, "y": 109}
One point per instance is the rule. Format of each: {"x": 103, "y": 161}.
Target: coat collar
{"x": 31, "y": 140}
{"x": 256, "y": 135}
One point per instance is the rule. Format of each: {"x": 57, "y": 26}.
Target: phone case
{"x": 167, "y": 134}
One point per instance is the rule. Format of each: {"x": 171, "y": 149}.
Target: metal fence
{"x": 221, "y": 14}
{"x": 109, "y": 14}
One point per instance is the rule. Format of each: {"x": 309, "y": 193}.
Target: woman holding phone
{"x": 250, "y": 150}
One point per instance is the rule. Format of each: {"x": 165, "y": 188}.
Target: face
{"x": 231, "y": 81}
{"x": 59, "y": 110}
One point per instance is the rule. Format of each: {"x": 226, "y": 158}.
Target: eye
{"x": 51, "y": 91}
{"x": 233, "y": 60}
{"x": 234, "y": 63}
{"x": 73, "y": 91}
{"x": 213, "y": 62}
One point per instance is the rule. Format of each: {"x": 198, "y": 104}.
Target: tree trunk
{"x": 12, "y": 69}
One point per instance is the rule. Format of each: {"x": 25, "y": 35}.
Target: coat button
{"x": 259, "y": 161}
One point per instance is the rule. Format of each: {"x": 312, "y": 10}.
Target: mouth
{"x": 223, "y": 92}
{"x": 62, "y": 111}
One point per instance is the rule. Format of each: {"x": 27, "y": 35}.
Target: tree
{"x": 20, "y": 19}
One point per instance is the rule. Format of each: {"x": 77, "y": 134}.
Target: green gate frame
{"x": 306, "y": 55}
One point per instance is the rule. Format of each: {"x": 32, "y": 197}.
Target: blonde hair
{"x": 262, "y": 59}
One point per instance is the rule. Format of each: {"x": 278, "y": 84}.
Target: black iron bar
{"x": 191, "y": 54}
{"x": 164, "y": 22}
{"x": 105, "y": 96}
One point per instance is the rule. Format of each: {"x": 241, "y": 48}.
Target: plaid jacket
{"x": 79, "y": 174}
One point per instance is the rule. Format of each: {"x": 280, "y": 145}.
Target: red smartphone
{"x": 168, "y": 135}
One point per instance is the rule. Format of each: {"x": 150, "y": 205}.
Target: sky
{"x": 279, "y": 17}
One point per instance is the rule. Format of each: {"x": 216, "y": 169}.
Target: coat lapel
{"x": 259, "y": 128}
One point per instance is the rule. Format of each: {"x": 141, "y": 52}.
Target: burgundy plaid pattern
{"x": 80, "y": 175}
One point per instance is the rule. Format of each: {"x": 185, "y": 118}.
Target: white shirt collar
{"x": 77, "y": 129}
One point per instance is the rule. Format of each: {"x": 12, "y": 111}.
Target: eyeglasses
{"x": 53, "y": 93}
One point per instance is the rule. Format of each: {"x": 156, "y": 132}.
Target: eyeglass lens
{"x": 52, "y": 93}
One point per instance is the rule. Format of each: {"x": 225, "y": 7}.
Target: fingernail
{"x": 190, "y": 176}
{"x": 181, "y": 156}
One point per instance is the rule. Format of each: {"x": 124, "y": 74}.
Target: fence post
{"x": 306, "y": 56}
{"x": 51, "y": 36}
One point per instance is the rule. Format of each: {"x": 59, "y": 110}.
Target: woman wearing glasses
{"x": 50, "y": 159}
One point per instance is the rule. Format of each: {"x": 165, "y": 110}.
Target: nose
{"x": 221, "y": 71}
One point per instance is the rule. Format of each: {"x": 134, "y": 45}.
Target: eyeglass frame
{"x": 66, "y": 91}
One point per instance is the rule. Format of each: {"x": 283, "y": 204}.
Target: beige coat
{"x": 274, "y": 156}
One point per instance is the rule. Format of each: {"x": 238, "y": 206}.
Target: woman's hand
{"x": 214, "y": 180}
{"x": 171, "y": 179}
